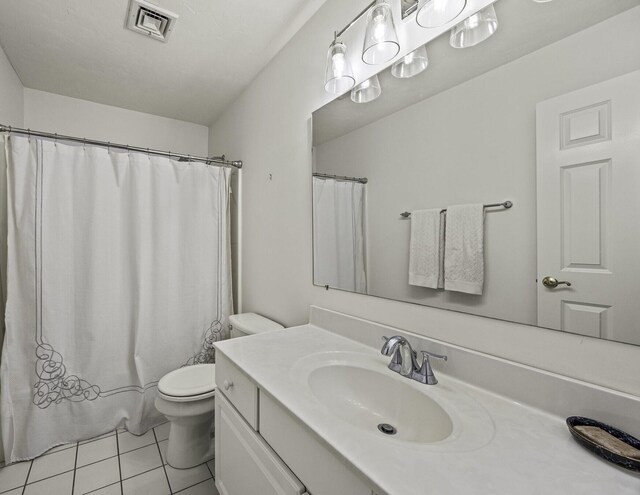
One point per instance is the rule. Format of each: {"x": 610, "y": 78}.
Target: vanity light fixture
{"x": 381, "y": 42}
{"x": 474, "y": 29}
{"x": 366, "y": 91}
{"x": 411, "y": 64}
{"x": 338, "y": 74}
{"x": 436, "y": 13}
{"x": 380, "y": 39}
{"x": 380, "y": 45}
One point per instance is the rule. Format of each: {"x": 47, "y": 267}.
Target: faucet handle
{"x": 425, "y": 375}
{"x": 426, "y": 355}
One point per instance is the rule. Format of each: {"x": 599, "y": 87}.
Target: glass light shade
{"x": 380, "y": 39}
{"x": 436, "y": 13}
{"x": 474, "y": 29}
{"x": 339, "y": 74}
{"x": 366, "y": 91}
{"x": 412, "y": 64}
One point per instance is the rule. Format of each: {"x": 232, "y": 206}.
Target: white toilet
{"x": 186, "y": 397}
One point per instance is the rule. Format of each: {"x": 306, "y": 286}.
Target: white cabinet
{"x": 245, "y": 464}
{"x": 238, "y": 388}
{"x": 321, "y": 470}
{"x": 249, "y": 462}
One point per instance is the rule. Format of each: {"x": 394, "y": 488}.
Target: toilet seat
{"x": 189, "y": 384}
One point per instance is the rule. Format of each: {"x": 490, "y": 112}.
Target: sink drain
{"x": 387, "y": 429}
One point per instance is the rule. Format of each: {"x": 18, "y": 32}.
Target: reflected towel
{"x": 426, "y": 251}
{"x": 464, "y": 249}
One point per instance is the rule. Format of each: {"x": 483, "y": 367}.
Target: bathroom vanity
{"x": 260, "y": 444}
{"x": 297, "y": 412}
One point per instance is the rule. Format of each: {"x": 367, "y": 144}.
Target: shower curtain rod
{"x": 219, "y": 160}
{"x": 362, "y": 180}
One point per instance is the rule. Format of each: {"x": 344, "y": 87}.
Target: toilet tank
{"x": 250, "y": 324}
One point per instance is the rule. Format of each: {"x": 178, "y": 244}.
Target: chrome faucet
{"x": 402, "y": 351}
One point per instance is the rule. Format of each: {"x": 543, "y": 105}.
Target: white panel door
{"x": 588, "y": 179}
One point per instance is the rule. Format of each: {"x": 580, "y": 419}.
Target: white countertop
{"x": 526, "y": 452}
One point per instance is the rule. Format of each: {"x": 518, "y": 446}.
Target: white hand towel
{"x": 426, "y": 251}
{"x": 464, "y": 249}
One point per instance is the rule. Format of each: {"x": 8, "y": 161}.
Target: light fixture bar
{"x": 355, "y": 19}
{"x": 408, "y": 7}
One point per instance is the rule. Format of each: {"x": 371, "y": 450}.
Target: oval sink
{"x": 379, "y": 403}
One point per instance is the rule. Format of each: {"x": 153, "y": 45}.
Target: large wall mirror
{"x": 544, "y": 114}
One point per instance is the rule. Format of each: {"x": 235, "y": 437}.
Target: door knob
{"x": 552, "y": 283}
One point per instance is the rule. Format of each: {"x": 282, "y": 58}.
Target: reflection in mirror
{"x": 545, "y": 113}
{"x": 339, "y": 258}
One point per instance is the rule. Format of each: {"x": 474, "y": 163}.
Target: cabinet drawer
{"x": 321, "y": 470}
{"x": 238, "y": 388}
{"x": 245, "y": 464}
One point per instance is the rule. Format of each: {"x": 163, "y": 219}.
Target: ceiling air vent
{"x": 150, "y": 20}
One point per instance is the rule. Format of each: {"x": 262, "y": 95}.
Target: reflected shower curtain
{"x": 118, "y": 272}
{"x": 339, "y": 234}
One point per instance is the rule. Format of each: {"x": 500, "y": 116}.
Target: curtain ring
{"x": 29, "y": 135}
{"x": 148, "y": 156}
{"x": 189, "y": 159}
{"x": 84, "y": 143}
{"x": 128, "y": 151}
{"x": 55, "y": 140}
{"x": 108, "y": 146}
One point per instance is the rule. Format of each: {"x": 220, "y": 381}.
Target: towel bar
{"x": 505, "y": 204}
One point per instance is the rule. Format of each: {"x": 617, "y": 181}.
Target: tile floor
{"x": 117, "y": 463}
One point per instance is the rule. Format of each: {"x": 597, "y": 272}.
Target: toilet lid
{"x": 189, "y": 381}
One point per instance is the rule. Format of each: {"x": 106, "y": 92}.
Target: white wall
{"x": 63, "y": 115}
{"x": 268, "y": 127}
{"x": 11, "y": 94}
{"x": 474, "y": 143}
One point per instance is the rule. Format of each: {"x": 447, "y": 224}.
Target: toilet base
{"x": 184, "y": 452}
{"x": 190, "y": 441}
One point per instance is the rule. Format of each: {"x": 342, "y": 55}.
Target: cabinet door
{"x": 245, "y": 464}
{"x": 322, "y": 471}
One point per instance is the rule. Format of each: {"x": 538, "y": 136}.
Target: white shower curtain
{"x": 339, "y": 234}
{"x": 118, "y": 272}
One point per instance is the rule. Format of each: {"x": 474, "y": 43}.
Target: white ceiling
{"x": 80, "y": 48}
{"x": 524, "y": 26}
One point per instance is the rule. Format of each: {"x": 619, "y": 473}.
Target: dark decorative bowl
{"x": 600, "y": 450}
